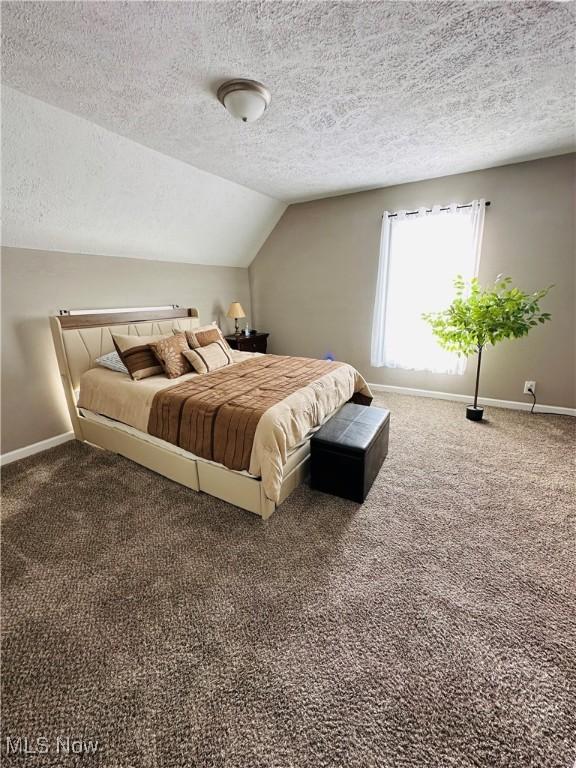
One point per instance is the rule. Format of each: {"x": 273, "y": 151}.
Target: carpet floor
{"x": 432, "y": 626}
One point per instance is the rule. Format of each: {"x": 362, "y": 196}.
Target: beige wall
{"x": 313, "y": 288}
{"x": 313, "y": 281}
{"x": 36, "y": 284}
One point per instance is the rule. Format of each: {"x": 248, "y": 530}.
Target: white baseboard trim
{"x": 30, "y": 450}
{"x": 470, "y": 398}
{"x": 52, "y": 442}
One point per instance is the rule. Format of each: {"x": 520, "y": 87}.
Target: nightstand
{"x": 256, "y": 342}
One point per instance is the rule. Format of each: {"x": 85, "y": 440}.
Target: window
{"x": 420, "y": 255}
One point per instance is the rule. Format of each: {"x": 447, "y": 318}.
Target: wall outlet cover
{"x": 529, "y": 385}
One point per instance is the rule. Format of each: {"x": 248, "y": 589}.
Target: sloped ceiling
{"x": 70, "y": 185}
{"x": 364, "y": 94}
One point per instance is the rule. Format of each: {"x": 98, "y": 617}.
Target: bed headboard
{"x": 80, "y": 339}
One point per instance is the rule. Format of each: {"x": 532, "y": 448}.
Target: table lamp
{"x": 236, "y": 311}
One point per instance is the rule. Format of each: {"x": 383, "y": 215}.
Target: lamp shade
{"x": 236, "y": 310}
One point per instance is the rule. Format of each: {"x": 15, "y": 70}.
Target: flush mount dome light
{"x": 246, "y": 100}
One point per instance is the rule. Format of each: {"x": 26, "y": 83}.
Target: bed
{"x": 240, "y": 434}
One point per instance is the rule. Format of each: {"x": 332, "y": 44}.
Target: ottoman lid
{"x": 353, "y": 428}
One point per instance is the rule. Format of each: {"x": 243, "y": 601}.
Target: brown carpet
{"x": 433, "y": 626}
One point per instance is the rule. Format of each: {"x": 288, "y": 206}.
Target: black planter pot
{"x": 474, "y": 413}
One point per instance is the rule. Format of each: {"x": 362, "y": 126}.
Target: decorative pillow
{"x": 137, "y": 356}
{"x": 112, "y": 360}
{"x": 169, "y": 352}
{"x": 209, "y": 358}
{"x": 206, "y": 334}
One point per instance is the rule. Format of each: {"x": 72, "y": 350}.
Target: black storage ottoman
{"x": 348, "y": 450}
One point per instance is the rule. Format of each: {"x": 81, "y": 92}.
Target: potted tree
{"x": 480, "y": 316}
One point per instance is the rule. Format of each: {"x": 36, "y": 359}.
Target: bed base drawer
{"x": 241, "y": 490}
{"x": 245, "y": 492}
{"x": 169, "y": 464}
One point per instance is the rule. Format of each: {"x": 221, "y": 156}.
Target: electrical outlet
{"x": 529, "y": 385}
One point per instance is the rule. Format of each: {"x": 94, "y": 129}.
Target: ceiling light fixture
{"x": 246, "y": 100}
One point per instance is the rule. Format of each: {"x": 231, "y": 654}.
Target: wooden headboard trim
{"x": 71, "y": 322}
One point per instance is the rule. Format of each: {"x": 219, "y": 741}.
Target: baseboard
{"x": 469, "y": 398}
{"x": 30, "y": 450}
{"x": 52, "y": 442}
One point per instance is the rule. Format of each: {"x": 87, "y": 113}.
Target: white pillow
{"x": 112, "y": 360}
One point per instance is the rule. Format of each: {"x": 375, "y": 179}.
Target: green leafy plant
{"x": 480, "y": 316}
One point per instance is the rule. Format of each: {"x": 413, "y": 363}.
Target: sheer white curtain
{"x": 420, "y": 255}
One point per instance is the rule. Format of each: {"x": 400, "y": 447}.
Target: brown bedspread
{"x": 215, "y": 416}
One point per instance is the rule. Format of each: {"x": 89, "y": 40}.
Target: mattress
{"x": 117, "y": 396}
{"x": 282, "y": 429}
{"x": 118, "y": 401}
{"x": 294, "y": 458}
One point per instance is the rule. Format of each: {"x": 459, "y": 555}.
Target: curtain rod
{"x": 429, "y": 210}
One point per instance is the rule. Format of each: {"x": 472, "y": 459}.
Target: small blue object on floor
{"x": 348, "y": 450}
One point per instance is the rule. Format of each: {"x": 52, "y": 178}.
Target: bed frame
{"x": 81, "y": 338}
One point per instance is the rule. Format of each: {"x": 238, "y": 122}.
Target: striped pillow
{"x": 169, "y": 352}
{"x": 209, "y": 358}
{"x": 206, "y": 334}
{"x": 137, "y": 356}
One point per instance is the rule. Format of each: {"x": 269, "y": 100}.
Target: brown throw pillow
{"x": 209, "y": 358}
{"x": 169, "y": 352}
{"x": 203, "y": 338}
{"x": 206, "y": 334}
{"x": 137, "y": 356}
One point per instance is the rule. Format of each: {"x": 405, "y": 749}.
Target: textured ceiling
{"x": 364, "y": 94}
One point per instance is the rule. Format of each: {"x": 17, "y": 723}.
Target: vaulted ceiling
{"x": 364, "y": 94}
